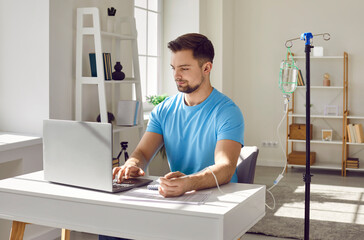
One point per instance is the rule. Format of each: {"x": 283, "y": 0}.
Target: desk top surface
{"x": 10, "y": 140}
{"x": 228, "y": 215}
{"x": 216, "y": 205}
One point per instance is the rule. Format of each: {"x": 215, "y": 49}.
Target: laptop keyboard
{"x": 130, "y": 183}
{"x": 124, "y": 184}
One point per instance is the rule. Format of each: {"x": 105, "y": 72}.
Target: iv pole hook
{"x": 325, "y": 36}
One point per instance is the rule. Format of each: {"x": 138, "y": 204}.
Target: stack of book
{"x": 107, "y": 65}
{"x": 115, "y": 162}
{"x": 128, "y": 113}
{"x": 355, "y": 133}
{"x": 352, "y": 163}
{"x": 300, "y": 81}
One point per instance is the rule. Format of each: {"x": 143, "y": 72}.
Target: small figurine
{"x": 326, "y": 82}
{"x": 111, "y": 11}
{"x": 118, "y": 74}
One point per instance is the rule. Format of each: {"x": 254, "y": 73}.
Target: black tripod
{"x": 124, "y": 146}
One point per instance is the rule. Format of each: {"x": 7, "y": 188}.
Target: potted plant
{"x": 156, "y": 99}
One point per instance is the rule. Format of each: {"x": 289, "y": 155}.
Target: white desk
{"x": 28, "y": 198}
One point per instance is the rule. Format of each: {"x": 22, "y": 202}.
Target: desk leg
{"x": 17, "y": 230}
{"x": 66, "y": 234}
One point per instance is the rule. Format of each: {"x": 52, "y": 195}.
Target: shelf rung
{"x": 358, "y": 144}
{"x": 355, "y": 117}
{"x": 126, "y": 80}
{"x": 90, "y": 80}
{"x": 118, "y": 36}
{"x": 117, "y": 129}
{"x": 315, "y": 116}
{"x": 88, "y": 31}
{"x": 317, "y": 141}
{"x": 95, "y": 80}
{"x": 322, "y": 57}
{"x": 321, "y": 87}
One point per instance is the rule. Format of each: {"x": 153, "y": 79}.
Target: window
{"x": 148, "y": 22}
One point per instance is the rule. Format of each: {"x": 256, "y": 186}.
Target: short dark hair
{"x": 201, "y": 46}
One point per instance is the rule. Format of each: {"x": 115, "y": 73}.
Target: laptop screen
{"x": 78, "y": 153}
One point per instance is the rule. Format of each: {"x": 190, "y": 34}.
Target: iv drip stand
{"x": 307, "y": 176}
{"x": 307, "y": 37}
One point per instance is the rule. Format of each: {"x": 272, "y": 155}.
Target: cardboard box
{"x": 299, "y": 158}
{"x": 298, "y": 131}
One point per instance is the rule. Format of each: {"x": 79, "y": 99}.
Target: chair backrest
{"x": 246, "y": 164}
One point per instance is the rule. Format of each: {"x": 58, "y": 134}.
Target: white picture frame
{"x": 326, "y": 135}
{"x": 331, "y": 110}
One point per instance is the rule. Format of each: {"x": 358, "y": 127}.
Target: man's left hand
{"x": 174, "y": 184}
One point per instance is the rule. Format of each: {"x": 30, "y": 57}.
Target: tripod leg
{"x": 126, "y": 155}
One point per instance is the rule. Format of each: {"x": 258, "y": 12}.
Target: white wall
{"x": 180, "y": 17}
{"x": 24, "y": 65}
{"x": 249, "y": 39}
{"x": 24, "y": 83}
{"x": 261, "y": 29}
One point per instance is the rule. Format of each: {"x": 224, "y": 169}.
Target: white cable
{"x": 217, "y": 183}
{"x": 274, "y": 201}
{"x": 280, "y": 176}
{"x": 218, "y": 187}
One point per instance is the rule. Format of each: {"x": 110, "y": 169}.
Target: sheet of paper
{"x": 152, "y": 195}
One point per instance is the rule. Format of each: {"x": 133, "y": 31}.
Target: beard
{"x": 188, "y": 88}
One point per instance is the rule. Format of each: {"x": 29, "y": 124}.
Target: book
{"x": 107, "y": 65}
{"x": 301, "y": 77}
{"x": 128, "y": 113}
{"x": 348, "y": 133}
{"x": 351, "y": 133}
{"x": 350, "y": 161}
{"x": 359, "y": 133}
{"x": 115, "y": 162}
{"x": 350, "y": 166}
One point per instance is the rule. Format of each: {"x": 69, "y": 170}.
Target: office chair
{"x": 246, "y": 164}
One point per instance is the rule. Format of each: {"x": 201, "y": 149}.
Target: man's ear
{"x": 207, "y": 67}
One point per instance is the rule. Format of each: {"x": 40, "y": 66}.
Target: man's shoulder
{"x": 168, "y": 104}
{"x": 171, "y": 100}
{"x": 223, "y": 101}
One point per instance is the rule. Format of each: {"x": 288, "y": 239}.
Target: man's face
{"x": 186, "y": 71}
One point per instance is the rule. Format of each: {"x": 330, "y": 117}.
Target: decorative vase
{"x": 118, "y": 74}
{"x": 326, "y": 81}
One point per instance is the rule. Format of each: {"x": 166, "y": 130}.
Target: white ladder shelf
{"x": 100, "y": 81}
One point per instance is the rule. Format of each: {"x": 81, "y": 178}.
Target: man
{"x": 201, "y": 129}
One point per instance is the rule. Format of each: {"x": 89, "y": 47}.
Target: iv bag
{"x": 288, "y": 76}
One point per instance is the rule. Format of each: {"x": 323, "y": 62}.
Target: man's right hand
{"x": 127, "y": 171}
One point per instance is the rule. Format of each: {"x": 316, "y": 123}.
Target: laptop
{"x": 80, "y": 154}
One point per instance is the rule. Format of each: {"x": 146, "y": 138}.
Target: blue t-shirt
{"x": 190, "y": 133}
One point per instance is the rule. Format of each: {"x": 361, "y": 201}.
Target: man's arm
{"x": 147, "y": 147}
{"x": 226, "y": 156}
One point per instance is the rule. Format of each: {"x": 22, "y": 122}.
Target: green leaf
{"x": 156, "y": 99}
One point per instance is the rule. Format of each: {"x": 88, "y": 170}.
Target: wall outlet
{"x": 269, "y": 144}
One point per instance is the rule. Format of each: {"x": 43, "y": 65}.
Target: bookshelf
{"x": 319, "y": 120}
{"x": 116, "y": 39}
{"x": 351, "y": 145}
